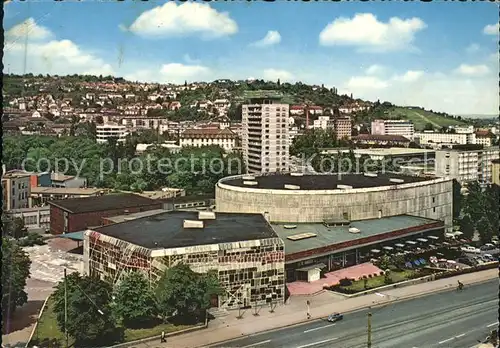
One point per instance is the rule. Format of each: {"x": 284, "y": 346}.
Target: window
{"x": 433, "y": 199}
{"x": 434, "y": 209}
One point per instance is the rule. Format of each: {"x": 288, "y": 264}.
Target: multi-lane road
{"x": 452, "y": 319}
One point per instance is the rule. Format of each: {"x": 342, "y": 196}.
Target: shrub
{"x": 345, "y": 282}
{"x": 31, "y": 239}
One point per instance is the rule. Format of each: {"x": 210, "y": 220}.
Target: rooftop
{"x": 323, "y": 182}
{"x": 381, "y": 137}
{"x": 103, "y": 203}
{"x": 66, "y": 190}
{"x": 134, "y": 216}
{"x": 166, "y": 230}
{"x": 333, "y": 235}
{"x": 61, "y": 177}
{"x": 208, "y": 133}
{"x": 391, "y": 151}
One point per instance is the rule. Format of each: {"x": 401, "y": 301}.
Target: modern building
{"x": 323, "y": 122}
{"x": 242, "y": 249}
{"x": 342, "y": 127}
{"x": 484, "y": 137}
{"x": 107, "y": 131}
{"x": 16, "y": 187}
{"x": 467, "y": 163}
{"x": 300, "y": 198}
{"x": 78, "y": 214}
{"x": 430, "y": 138}
{"x": 495, "y": 172}
{"x": 381, "y": 140}
{"x": 265, "y": 140}
{"x": 404, "y": 128}
{"x": 34, "y": 218}
{"x": 198, "y": 137}
{"x": 312, "y": 249}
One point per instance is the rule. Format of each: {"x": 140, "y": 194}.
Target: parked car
{"x": 332, "y": 318}
{"x": 470, "y": 249}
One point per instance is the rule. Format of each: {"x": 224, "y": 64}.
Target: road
{"x": 452, "y": 319}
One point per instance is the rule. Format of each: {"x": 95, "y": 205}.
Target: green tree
{"x": 90, "y": 317}
{"x": 428, "y": 126}
{"x": 485, "y": 230}
{"x": 15, "y": 271}
{"x": 467, "y": 227}
{"x": 13, "y": 227}
{"x": 134, "y": 300}
{"x": 185, "y": 293}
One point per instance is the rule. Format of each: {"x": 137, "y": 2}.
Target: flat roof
{"x": 391, "y": 151}
{"x": 65, "y": 190}
{"x": 326, "y": 236}
{"x": 103, "y": 203}
{"x": 165, "y": 231}
{"x": 322, "y": 182}
{"x": 128, "y": 217}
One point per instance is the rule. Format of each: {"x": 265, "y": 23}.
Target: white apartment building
{"x": 224, "y": 138}
{"x": 464, "y": 129}
{"x": 106, "y": 131}
{"x": 323, "y": 122}
{"x": 484, "y": 137}
{"x": 135, "y": 122}
{"x": 16, "y": 190}
{"x": 265, "y": 139}
{"x": 404, "y": 128}
{"x": 466, "y": 165}
{"x": 428, "y": 138}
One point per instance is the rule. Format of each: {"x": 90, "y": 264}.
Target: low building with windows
{"x": 243, "y": 249}
{"x": 34, "y": 218}
{"x": 195, "y": 137}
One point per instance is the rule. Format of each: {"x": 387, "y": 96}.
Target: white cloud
{"x": 366, "y": 83}
{"x": 178, "y": 73}
{"x": 59, "y": 57}
{"x": 184, "y": 19}
{"x": 275, "y": 74}
{"x": 188, "y": 59}
{"x": 472, "y": 70}
{"x": 491, "y": 29}
{"x": 28, "y": 29}
{"x": 272, "y": 38}
{"x": 366, "y": 31}
{"x": 472, "y": 48}
{"x": 375, "y": 69}
{"x": 409, "y": 76}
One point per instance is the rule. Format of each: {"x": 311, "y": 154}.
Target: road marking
{"x": 318, "y": 328}
{"x": 257, "y": 344}
{"x": 492, "y": 324}
{"x": 462, "y": 335}
{"x": 449, "y": 339}
{"x": 315, "y": 343}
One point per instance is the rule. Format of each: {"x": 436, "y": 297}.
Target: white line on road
{"x": 318, "y": 328}
{"x": 461, "y": 335}
{"x": 257, "y": 344}
{"x": 449, "y": 339}
{"x": 492, "y": 324}
{"x": 315, "y": 343}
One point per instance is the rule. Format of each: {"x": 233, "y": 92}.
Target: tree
{"x": 485, "y": 230}
{"x": 457, "y": 199}
{"x": 13, "y": 227}
{"x": 134, "y": 301}
{"x": 428, "y": 126}
{"x": 90, "y": 318}
{"x": 467, "y": 227}
{"x": 185, "y": 293}
{"x": 15, "y": 271}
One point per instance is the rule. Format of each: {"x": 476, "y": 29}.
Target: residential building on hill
{"x": 265, "y": 140}
{"x": 404, "y": 128}
{"x": 484, "y": 137}
{"x": 342, "y": 127}
{"x": 224, "y": 138}
{"x": 107, "y": 131}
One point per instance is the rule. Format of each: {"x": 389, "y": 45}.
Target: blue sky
{"x": 442, "y": 56}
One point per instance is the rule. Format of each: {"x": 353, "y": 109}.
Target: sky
{"x": 441, "y": 56}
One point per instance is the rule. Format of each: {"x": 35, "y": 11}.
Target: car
{"x": 470, "y": 249}
{"x": 332, "y": 318}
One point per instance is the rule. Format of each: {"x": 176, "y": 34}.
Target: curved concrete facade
{"x": 430, "y": 198}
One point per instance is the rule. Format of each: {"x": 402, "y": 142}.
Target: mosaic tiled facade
{"x": 252, "y": 273}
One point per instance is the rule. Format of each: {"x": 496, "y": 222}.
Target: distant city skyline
{"x": 404, "y": 53}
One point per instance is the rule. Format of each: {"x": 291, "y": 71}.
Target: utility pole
{"x": 369, "y": 341}
{"x": 66, "y": 308}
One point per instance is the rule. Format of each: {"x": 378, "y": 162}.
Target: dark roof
{"x": 166, "y": 230}
{"x": 323, "y": 182}
{"x": 103, "y": 203}
{"x": 380, "y": 137}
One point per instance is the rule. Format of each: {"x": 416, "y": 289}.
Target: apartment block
{"x": 323, "y": 122}
{"x": 107, "y": 131}
{"x": 467, "y": 164}
{"x": 495, "y": 172}
{"x": 265, "y": 139}
{"x": 404, "y": 128}
{"x": 342, "y": 127}
{"x": 16, "y": 190}
{"x": 428, "y": 138}
{"x": 224, "y": 138}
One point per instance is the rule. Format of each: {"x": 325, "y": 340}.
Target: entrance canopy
{"x": 311, "y": 267}
{"x": 78, "y": 236}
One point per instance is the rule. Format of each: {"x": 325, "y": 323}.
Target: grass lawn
{"x": 378, "y": 281}
{"x": 421, "y": 117}
{"x": 48, "y": 330}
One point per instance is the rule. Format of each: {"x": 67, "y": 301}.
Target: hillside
{"x": 421, "y": 117}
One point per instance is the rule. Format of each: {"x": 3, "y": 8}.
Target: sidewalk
{"x": 294, "y": 312}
